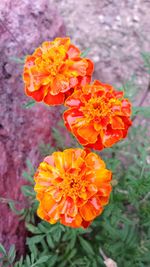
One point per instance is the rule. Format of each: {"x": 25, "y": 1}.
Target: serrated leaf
{"x": 30, "y": 166}
{"x": 85, "y": 53}
{"x": 72, "y": 253}
{"x": 33, "y": 229}
{"x": 57, "y": 235}
{"x": 28, "y": 177}
{"x": 143, "y": 111}
{"x": 35, "y": 239}
{"x": 2, "y": 249}
{"x": 86, "y": 246}
{"x": 6, "y": 264}
{"x": 52, "y": 260}
{"x": 18, "y": 60}
{"x": 41, "y": 260}
{"x": 146, "y": 58}
{"x": 13, "y": 208}
{"x": 29, "y": 104}
{"x": 43, "y": 227}
{"x": 50, "y": 241}
{"x": 12, "y": 253}
{"x": 28, "y": 191}
{"x": 32, "y": 258}
{"x": 28, "y": 262}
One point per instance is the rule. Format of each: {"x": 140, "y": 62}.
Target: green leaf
{"x": 52, "y": 260}
{"x": 57, "y": 235}
{"x": 41, "y": 260}
{"x": 2, "y": 249}
{"x": 143, "y": 111}
{"x": 33, "y": 229}
{"x": 85, "y": 53}
{"x": 146, "y": 58}
{"x": 12, "y": 253}
{"x": 72, "y": 253}
{"x": 29, "y": 104}
{"x": 13, "y": 208}
{"x": 35, "y": 239}
{"x": 30, "y": 166}
{"x": 18, "y": 60}
{"x": 50, "y": 241}
{"x": 28, "y": 191}
{"x": 28, "y": 177}
{"x": 86, "y": 246}
{"x": 6, "y": 264}
{"x": 28, "y": 262}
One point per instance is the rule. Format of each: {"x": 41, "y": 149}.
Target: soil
{"x": 116, "y": 33}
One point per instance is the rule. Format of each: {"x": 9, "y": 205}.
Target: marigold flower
{"x": 72, "y": 187}
{"x": 54, "y": 69}
{"x": 98, "y": 115}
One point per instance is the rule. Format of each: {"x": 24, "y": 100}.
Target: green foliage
{"x": 29, "y": 104}
{"x": 26, "y": 213}
{"x": 130, "y": 88}
{"x": 122, "y": 232}
{"x": 142, "y": 111}
{"x": 146, "y": 59}
{"x": 18, "y": 60}
{"x": 85, "y": 53}
{"x": 7, "y": 258}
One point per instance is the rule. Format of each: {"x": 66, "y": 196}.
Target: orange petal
{"x": 97, "y": 145}
{"x": 59, "y": 160}
{"x": 90, "y": 67}
{"x": 37, "y": 95}
{"x": 48, "y": 203}
{"x": 73, "y": 82}
{"x": 60, "y": 84}
{"x": 117, "y": 123}
{"x": 94, "y": 161}
{"x": 62, "y": 41}
{"x": 50, "y": 160}
{"x": 88, "y": 132}
{"x": 73, "y": 100}
{"x": 74, "y": 222}
{"x": 126, "y": 107}
{"x": 70, "y": 116}
{"x": 81, "y": 140}
{"x": 84, "y": 80}
{"x": 91, "y": 209}
{"x": 73, "y": 52}
{"x": 80, "y": 66}
{"x": 54, "y": 100}
{"x": 105, "y": 190}
{"x": 102, "y": 176}
{"x": 111, "y": 136}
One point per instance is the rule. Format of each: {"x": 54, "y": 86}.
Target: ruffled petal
{"x": 54, "y": 99}
{"x": 88, "y": 132}
{"x": 73, "y": 52}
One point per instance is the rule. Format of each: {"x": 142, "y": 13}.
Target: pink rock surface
{"x": 24, "y": 25}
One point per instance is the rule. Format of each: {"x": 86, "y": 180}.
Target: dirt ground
{"x": 115, "y": 31}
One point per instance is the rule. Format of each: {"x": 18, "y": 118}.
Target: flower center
{"x": 96, "y": 107}
{"x": 72, "y": 185}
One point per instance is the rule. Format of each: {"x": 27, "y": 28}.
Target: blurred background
{"x": 117, "y": 32}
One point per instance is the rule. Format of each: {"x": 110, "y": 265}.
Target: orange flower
{"x": 54, "y": 69}
{"x": 72, "y": 187}
{"x": 98, "y": 115}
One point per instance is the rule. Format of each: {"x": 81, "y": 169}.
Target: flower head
{"x": 98, "y": 115}
{"x": 72, "y": 187}
{"x": 54, "y": 69}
